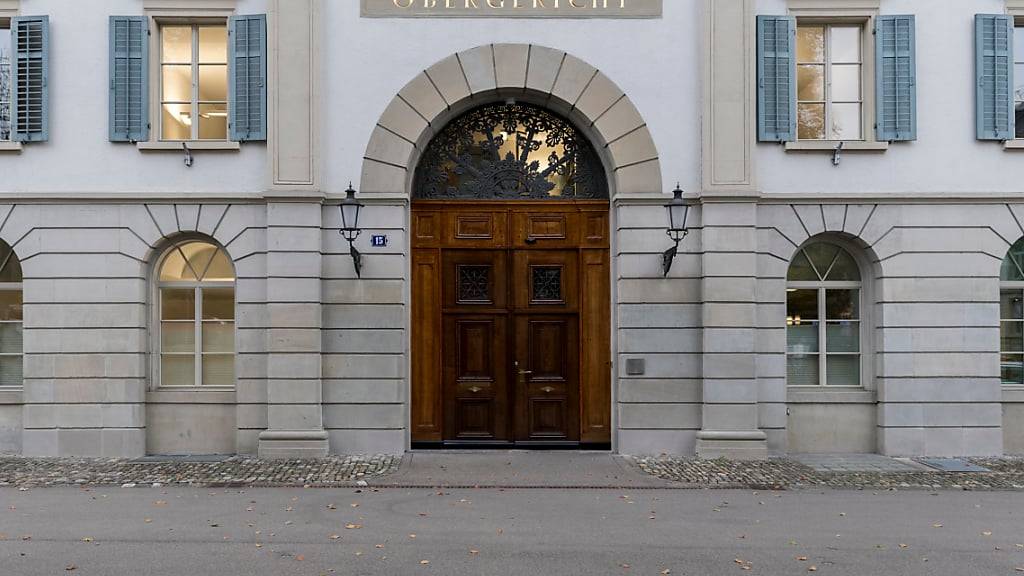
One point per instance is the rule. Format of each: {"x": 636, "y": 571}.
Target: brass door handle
{"x": 525, "y": 372}
{"x": 547, "y": 389}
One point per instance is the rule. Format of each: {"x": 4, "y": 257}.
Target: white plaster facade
{"x": 322, "y": 356}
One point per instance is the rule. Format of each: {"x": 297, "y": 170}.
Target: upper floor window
{"x": 5, "y": 81}
{"x": 10, "y": 319}
{"x": 1011, "y": 316}
{"x": 194, "y": 82}
{"x": 830, "y": 98}
{"x": 196, "y": 292}
{"x": 823, "y": 317}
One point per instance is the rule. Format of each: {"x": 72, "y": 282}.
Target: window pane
{"x": 1011, "y": 368}
{"x": 218, "y": 370}
{"x": 811, "y": 82}
{"x": 842, "y": 304}
{"x": 221, "y": 269}
{"x": 842, "y": 370}
{"x": 801, "y": 305}
{"x": 822, "y": 255}
{"x": 1011, "y": 305}
{"x": 177, "y": 84}
{"x": 178, "y": 370}
{"x": 5, "y": 84}
{"x": 801, "y": 270}
{"x": 1018, "y": 44}
{"x": 811, "y": 121}
{"x": 213, "y": 83}
{"x": 11, "y": 338}
{"x": 213, "y": 122}
{"x": 11, "y": 371}
{"x": 844, "y": 268}
{"x": 802, "y": 370}
{"x": 178, "y": 337}
{"x": 1011, "y": 272}
{"x": 842, "y": 336}
{"x": 1011, "y": 336}
{"x": 1018, "y": 81}
{"x": 10, "y": 305}
{"x": 810, "y": 44}
{"x": 845, "y": 43}
{"x": 177, "y": 122}
{"x": 846, "y": 124}
{"x": 219, "y": 337}
{"x": 802, "y": 338}
{"x": 218, "y": 303}
{"x": 177, "y": 44}
{"x": 213, "y": 45}
{"x": 175, "y": 268}
{"x": 846, "y": 83}
{"x": 177, "y": 304}
{"x": 1018, "y": 115}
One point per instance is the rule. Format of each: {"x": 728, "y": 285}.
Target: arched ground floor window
{"x": 11, "y": 373}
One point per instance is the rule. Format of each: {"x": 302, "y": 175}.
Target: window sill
{"x": 191, "y": 396}
{"x": 10, "y": 146}
{"x": 826, "y": 395}
{"x": 1013, "y": 144}
{"x": 1014, "y": 394}
{"x": 192, "y": 145}
{"x": 10, "y": 396}
{"x": 830, "y": 146}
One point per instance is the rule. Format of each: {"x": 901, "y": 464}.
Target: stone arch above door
{"x": 495, "y": 71}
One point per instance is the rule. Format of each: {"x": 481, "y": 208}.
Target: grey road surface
{"x": 180, "y": 531}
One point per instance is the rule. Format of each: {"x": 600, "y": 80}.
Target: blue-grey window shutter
{"x": 776, "y": 78}
{"x": 247, "y": 77}
{"x": 896, "y": 78}
{"x": 129, "y": 79}
{"x": 30, "y": 39}
{"x": 993, "y": 37}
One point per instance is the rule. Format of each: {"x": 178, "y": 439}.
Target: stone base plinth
{"x": 742, "y": 445}
{"x": 293, "y": 444}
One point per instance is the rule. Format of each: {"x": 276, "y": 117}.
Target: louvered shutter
{"x": 247, "y": 77}
{"x": 776, "y": 78}
{"x": 896, "y": 81}
{"x": 30, "y": 40}
{"x": 994, "y": 71}
{"x": 129, "y": 79}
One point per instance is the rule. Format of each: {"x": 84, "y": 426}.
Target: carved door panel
{"x": 546, "y": 355}
{"x": 476, "y": 371}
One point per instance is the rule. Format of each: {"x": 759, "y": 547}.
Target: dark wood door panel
{"x": 511, "y": 322}
{"x": 476, "y": 377}
{"x": 547, "y": 372}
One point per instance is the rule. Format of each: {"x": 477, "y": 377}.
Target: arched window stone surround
{"x": 536, "y": 74}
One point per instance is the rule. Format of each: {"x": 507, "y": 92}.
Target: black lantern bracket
{"x": 678, "y": 212}
{"x": 350, "y": 230}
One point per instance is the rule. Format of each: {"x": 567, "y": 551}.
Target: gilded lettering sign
{"x": 511, "y": 8}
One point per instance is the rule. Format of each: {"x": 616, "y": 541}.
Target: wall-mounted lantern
{"x": 350, "y": 209}
{"x": 678, "y": 211}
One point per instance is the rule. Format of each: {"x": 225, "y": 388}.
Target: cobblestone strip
{"x": 237, "y": 471}
{"x": 782, "y": 473}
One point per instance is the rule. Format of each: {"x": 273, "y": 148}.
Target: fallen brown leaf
{"x": 812, "y": 569}
{"x": 70, "y": 567}
{"x": 87, "y": 539}
{"x": 300, "y": 557}
{"x": 903, "y": 545}
{"x": 802, "y": 558}
{"x": 986, "y": 533}
{"x": 353, "y": 526}
{"x": 936, "y": 525}
{"x": 424, "y": 562}
{"x": 379, "y": 546}
{"x": 334, "y": 537}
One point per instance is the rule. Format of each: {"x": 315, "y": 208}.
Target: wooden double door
{"x": 511, "y": 323}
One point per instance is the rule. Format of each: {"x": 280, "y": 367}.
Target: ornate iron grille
{"x": 474, "y": 283}
{"x": 547, "y": 284}
{"x": 510, "y": 151}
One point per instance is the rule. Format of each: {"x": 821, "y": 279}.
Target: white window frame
{"x": 195, "y": 102}
{"x": 14, "y": 287}
{"x": 827, "y": 65}
{"x": 1006, "y": 287}
{"x": 180, "y": 12}
{"x": 197, "y": 321}
{"x": 846, "y": 12}
{"x": 865, "y": 318}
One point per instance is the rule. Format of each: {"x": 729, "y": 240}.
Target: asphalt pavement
{"x": 557, "y": 531}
